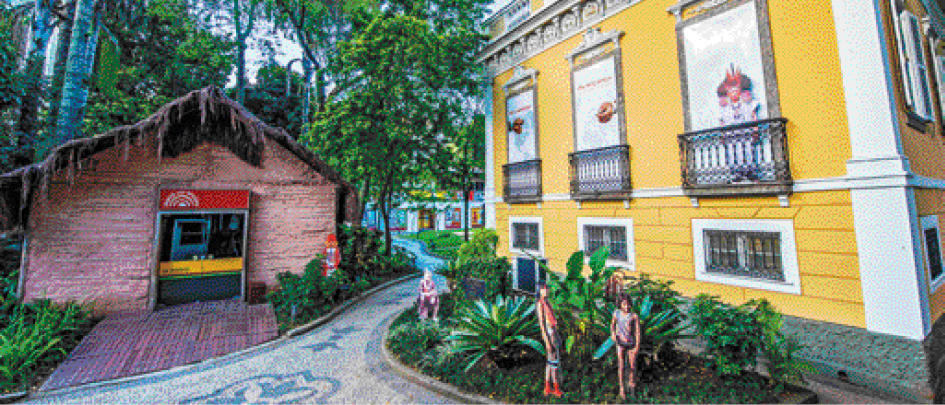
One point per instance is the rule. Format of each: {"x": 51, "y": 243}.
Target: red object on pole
{"x": 332, "y": 255}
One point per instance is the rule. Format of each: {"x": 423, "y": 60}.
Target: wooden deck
{"x": 133, "y": 343}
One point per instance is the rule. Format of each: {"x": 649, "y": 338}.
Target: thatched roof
{"x": 205, "y": 115}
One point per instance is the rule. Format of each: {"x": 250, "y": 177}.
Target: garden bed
{"x": 683, "y": 378}
{"x": 444, "y": 244}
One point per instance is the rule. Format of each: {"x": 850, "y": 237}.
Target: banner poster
{"x": 597, "y": 121}
{"x": 724, "y": 72}
{"x": 521, "y": 126}
{"x": 476, "y": 217}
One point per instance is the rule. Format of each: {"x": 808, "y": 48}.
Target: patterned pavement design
{"x": 127, "y": 344}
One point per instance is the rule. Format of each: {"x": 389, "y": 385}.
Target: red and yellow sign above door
{"x": 189, "y": 199}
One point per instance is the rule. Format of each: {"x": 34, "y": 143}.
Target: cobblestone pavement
{"x": 339, "y": 362}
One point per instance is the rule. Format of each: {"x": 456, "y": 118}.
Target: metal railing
{"x": 522, "y": 181}
{"x": 748, "y": 158}
{"x": 600, "y": 173}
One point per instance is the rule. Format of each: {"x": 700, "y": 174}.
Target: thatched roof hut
{"x": 195, "y": 202}
{"x": 205, "y": 115}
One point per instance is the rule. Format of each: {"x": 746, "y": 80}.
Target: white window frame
{"x": 931, "y": 222}
{"x": 938, "y": 61}
{"x": 516, "y": 253}
{"x": 626, "y": 223}
{"x": 541, "y": 237}
{"x": 914, "y": 67}
{"x": 785, "y": 227}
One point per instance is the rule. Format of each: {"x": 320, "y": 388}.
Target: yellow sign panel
{"x": 200, "y": 267}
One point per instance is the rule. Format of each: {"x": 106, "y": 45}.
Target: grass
{"x": 444, "y": 243}
{"x": 684, "y": 378}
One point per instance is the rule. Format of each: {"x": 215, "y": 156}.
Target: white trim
{"x": 626, "y": 223}
{"x": 931, "y": 222}
{"x": 489, "y": 189}
{"x": 541, "y": 236}
{"x": 792, "y": 282}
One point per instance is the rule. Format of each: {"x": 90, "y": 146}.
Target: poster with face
{"x": 521, "y": 126}
{"x": 724, "y": 72}
{"x": 597, "y": 121}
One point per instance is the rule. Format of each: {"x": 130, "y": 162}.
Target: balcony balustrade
{"x": 742, "y": 159}
{"x": 522, "y": 181}
{"x": 600, "y": 173}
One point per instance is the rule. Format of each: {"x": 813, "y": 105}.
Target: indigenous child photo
{"x": 625, "y": 332}
{"x": 429, "y": 298}
{"x": 549, "y": 333}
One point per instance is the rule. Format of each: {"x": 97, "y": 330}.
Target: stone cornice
{"x": 547, "y": 27}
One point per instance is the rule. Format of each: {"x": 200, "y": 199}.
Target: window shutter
{"x": 922, "y": 95}
{"x": 905, "y": 46}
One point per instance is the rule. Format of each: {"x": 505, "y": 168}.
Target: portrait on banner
{"x": 521, "y": 126}
{"x": 596, "y": 114}
{"x": 725, "y": 76}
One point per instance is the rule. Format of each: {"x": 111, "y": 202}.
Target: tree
{"x": 14, "y": 88}
{"x": 403, "y": 78}
{"x": 271, "y": 99}
{"x": 75, "y": 88}
{"x": 459, "y": 164}
{"x": 164, "y": 54}
{"x": 41, "y": 27}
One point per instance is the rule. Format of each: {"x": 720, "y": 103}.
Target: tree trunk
{"x": 466, "y": 210}
{"x": 75, "y": 89}
{"x": 59, "y": 70}
{"x": 363, "y": 195}
{"x": 307, "y": 99}
{"x": 41, "y": 29}
{"x": 240, "y": 54}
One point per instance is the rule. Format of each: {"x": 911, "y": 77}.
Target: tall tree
{"x": 459, "y": 164}
{"x": 272, "y": 99}
{"x": 239, "y": 17}
{"x": 403, "y": 75}
{"x": 75, "y": 88}
{"x": 41, "y": 27}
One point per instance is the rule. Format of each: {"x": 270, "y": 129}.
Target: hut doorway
{"x": 201, "y": 256}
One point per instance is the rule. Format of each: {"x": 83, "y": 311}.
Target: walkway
{"x": 336, "y": 363}
{"x": 135, "y": 343}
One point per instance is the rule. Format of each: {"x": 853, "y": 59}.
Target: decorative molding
{"x": 593, "y": 38}
{"x": 694, "y": 201}
{"x": 555, "y": 22}
{"x": 679, "y": 8}
{"x": 520, "y": 74}
{"x": 783, "y": 199}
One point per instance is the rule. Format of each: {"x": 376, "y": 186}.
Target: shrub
{"x": 480, "y": 247}
{"x": 495, "y": 328}
{"x": 414, "y": 339}
{"x": 493, "y": 271}
{"x": 736, "y": 335}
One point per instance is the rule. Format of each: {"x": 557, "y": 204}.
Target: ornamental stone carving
{"x": 504, "y": 59}
{"x": 591, "y": 9}
{"x": 518, "y": 50}
{"x": 569, "y": 22}
{"x": 534, "y": 42}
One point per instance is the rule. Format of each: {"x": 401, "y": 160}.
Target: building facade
{"x": 442, "y": 213}
{"x": 791, "y": 150}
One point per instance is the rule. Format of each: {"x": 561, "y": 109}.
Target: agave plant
{"x": 494, "y": 328}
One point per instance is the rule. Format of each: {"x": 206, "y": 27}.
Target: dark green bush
{"x": 480, "y": 247}
{"x": 494, "y": 271}
{"x": 737, "y": 335}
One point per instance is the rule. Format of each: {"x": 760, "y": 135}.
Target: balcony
{"x": 736, "y": 160}
{"x": 522, "y": 181}
{"x": 601, "y": 174}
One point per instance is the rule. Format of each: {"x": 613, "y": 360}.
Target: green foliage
{"x": 267, "y": 99}
{"x": 494, "y": 328}
{"x": 165, "y": 53}
{"x": 493, "y": 271}
{"x": 736, "y": 335}
{"x": 416, "y": 338}
{"x": 481, "y": 246}
{"x": 662, "y": 322}
{"x": 303, "y": 298}
{"x": 579, "y": 301}
{"x": 37, "y": 334}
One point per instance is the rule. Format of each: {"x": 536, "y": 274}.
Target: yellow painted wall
{"x": 823, "y": 226}
{"x": 925, "y": 150}
{"x": 932, "y": 202}
{"x": 811, "y": 98}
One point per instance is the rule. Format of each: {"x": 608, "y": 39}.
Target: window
{"x": 525, "y": 236}
{"x": 615, "y": 233}
{"x": 938, "y": 61}
{"x": 933, "y": 250}
{"x": 914, "y": 67}
{"x": 751, "y": 253}
{"x": 740, "y": 253}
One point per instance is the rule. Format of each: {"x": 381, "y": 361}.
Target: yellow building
{"x": 791, "y": 150}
